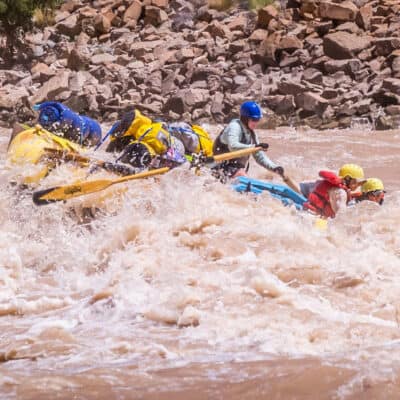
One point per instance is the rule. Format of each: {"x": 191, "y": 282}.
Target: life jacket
{"x": 219, "y": 147}
{"x": 127, "y": 130}
{"x": 153, "y": 136}
{"x": 205, "y": 142}
{"x": 318, "y": 200}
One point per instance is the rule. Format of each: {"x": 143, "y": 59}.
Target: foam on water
{"x": 180, "y": 269}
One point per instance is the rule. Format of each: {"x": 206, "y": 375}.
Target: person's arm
{"x": 264, "y": 161}
{"x": 338, "y": 200}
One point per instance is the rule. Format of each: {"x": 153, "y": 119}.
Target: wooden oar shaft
{"x": 236, "y": 154}
{"x": 120, "y": 169}
{"x": 291, "y": 184}
{"x": 70, "y": 156}
{"x": 144, "y": 174}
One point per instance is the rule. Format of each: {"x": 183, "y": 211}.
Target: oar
{"x": 291, "y": 183}
{"x": 232, "y": 154}
{"x": 61, "y": 193}
{"x": 108, "y": 166}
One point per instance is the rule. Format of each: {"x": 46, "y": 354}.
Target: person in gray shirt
{"x": 239, "y": 134}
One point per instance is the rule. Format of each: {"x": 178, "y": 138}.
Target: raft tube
{"x": 282, "y": 192}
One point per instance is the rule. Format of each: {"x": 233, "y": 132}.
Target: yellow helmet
{"x": 371, "y": 185}
{"x": 354, "y": 171}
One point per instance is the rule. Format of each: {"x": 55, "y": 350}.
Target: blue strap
{"x": 110, "y": 132}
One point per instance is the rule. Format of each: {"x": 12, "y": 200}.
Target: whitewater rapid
{"x": 182, "y": 288}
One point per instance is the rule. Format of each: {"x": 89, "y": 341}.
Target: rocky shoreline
{"x": 322, "y": 64}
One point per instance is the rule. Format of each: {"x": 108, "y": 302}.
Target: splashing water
{"x": 182, "y": 288}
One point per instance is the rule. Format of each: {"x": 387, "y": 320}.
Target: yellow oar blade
{"x": 62, "y": 193}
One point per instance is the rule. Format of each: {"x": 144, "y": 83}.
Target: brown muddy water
{"x": 182, "y": 288}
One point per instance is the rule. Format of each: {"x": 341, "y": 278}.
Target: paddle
{"x": 232, "y": 154}
{"x": 291, "y": 183}
{"x": 199, "y": 160}
{"x": 120, "y": 169}
{"x": 61, "y": 193}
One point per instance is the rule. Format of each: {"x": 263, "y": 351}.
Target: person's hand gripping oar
{"x": 281, "y": 172}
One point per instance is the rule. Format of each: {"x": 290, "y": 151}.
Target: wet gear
{"x": 64, "y": 122}
{"x": 194, "y": 138}
{"x": 319, "y": 201}
{"x": 148, "y": 142}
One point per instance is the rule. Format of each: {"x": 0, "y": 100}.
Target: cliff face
{"x": 317, "y": 63}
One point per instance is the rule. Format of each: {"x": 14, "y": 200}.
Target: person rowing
{"x": 240, "y": 134}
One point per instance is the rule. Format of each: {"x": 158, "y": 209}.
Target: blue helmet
{"x": 250, "y": 109}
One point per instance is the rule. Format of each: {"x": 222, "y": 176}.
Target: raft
{"x": 30, "y": 147}
{"x": 281, "y": 192}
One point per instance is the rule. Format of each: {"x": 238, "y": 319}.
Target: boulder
{"x": 385, "y": 46}
{"x": 12, "y": 96}
{"x": 267, "y": 49}
{"x": 154, "y": 16}
{"x": 103, "y": 58}
{"x": 102, "y": 24}
{"x": 42, "y": 72}
{"x": 291, "y": 87}
{"x": 343, "y": 11}
{"x": 69, "y": 26}
{"x": 392, "y": 85}
{"x": 160, "y": 3}
{"x": 290, "y": 43}
{"x": 396, "y": 66}
{"x": 133, "y": 12}
{"x": 216, "y": 29}
{"x": 393, "y": 110}
{"x": 312, "y": 102}
{"x": 348, "y": 66}
{"x": 175, "y": 104}
{"x": 281, "y": 105}
{"x": 265, "y": 15}
{"x": 312, "y": 75}
{"x": 343, "y": 45}
{"x": 52, "y": 88}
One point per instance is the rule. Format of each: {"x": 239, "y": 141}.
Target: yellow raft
{"x": 38, "y": 151}
{"x": 31, "y": 147}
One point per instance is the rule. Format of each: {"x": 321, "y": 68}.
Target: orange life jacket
{"x": 318, "y": 201}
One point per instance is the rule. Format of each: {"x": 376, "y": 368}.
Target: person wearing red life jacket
{"x": 331, "y": 194}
